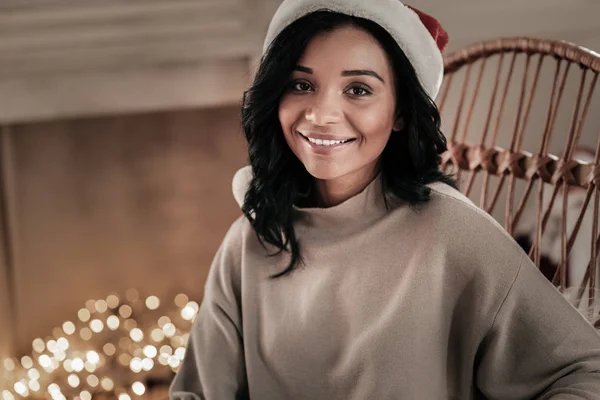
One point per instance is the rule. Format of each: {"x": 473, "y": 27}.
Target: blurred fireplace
{"x": 99, "y": 205}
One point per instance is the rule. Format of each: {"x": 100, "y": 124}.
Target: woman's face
{"x": 339, "y": 111}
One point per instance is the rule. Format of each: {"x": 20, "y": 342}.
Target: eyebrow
{"x": 353, "y": 72}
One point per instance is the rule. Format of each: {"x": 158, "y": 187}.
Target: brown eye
{"x": 359, "y": 91}
{"x": 301, "y": 86}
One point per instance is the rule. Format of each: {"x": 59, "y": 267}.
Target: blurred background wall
{"x": 120, "y": 134}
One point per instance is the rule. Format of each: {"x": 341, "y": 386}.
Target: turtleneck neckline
{"x": 363, "y": 208}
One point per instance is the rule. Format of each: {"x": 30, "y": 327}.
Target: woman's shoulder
{"x": 452, "y": 206}
{"x": 465, "y": 228}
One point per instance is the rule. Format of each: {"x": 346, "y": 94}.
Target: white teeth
{"x": 321, "y": 142}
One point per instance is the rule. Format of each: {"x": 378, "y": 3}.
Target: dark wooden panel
{"x": 106, "y": 204}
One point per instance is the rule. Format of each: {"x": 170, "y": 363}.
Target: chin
{"x": 324, "y": 172}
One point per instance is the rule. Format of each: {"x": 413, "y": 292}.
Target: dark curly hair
{"x": 408, "y": 163}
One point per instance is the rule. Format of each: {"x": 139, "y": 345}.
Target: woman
{"x": 358, "y": 271}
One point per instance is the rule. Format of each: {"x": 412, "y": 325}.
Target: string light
{"x": 112, "y": 348}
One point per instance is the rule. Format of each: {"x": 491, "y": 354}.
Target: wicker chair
{"x": 515, "y": 72}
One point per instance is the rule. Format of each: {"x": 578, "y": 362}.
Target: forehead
{"x": 345, "y": 47}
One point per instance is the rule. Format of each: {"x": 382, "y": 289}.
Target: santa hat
{"x": 419, "y": 35}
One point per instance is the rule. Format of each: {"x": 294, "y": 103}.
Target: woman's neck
{"x": 331, "y": 192}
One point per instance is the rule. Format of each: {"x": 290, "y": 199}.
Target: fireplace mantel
{"x": 64, "y": 58}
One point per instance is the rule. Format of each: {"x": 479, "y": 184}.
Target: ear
{"x": 399, "y": 125}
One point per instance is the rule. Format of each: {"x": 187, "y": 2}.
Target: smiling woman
{"x": 348, "y": 276}
{"x": 332, "y": 76}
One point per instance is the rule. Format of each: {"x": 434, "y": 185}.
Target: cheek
{"x": 288, "y": 114}
{"x": 375, "y": 123}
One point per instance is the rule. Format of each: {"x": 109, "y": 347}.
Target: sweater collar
{"x": 361, "y": 209}
{"x": 358, "y": 211}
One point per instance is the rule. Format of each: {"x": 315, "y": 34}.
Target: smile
{"x": 325, "y": 142}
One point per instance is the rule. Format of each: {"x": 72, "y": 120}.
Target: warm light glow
{"x": 166, "y": 349}
{"x": 21, "y": 389}
{"x": 91, "y": 305}
{"x": 107, "y": 384}
{"x": 77, "y": 364}
{"x": 85, "y": 395}
{"x": 147, "y": 364}
{"x": 38, "y": 345}
{"x": 162, "y": 321}
{"x": 84, "y": 315}
{"x": 85, "y": 333}
{"x": 33, "y": 374}
{"x": 130, "y": 324}
{"x": 180, "y": 352}
{"x": 9, "y": 364}
{"x": 125, "y": 311}
{"x": 136, "y": 365}
{"x": 96, "y": 325}
{"x": 112, "y": 301}
{"x": 124, "y": 359}
{"x": 34, "y": 385}
{"x": 169, "y": 329}
{"x": 27, "y": 362}
{"x": 138, "y": 388}
{"x": 53, "y": 389}
{"x": 181, "y": 300}
{"x": 174, "y": 362}
{"x": 112, "y": 322}
{"x": 138, "y": 352}
{"x": 90, "y": 367}
{"x": 60, "y": 355}
{"x": 157, "y": 335}
{"x": 150, "y": 351}
{"x": 68, "y": 365}
{"x": 73, "y": 380}
{"x": 6, "y": 395}
{"x": 193, "y": 305}
{"x": 188, "y": 313}
{"x": 163, "y": 359}
{"x": 152, "y": 302}
{"x": 93, "y": 380}
{"x": 109, "y": 349}
{"x": 101, "y": 306}
{"x": 63, "y": 344}
{"x": 177, "y": 341}
{"x": 52, "y": 345}
{"x": 69, "y": 328}
{"x": 44, "y": 361}
{"x": 136, "y": 334}
{"x": 93, "y": 357}
{"x": 64, "y": 367}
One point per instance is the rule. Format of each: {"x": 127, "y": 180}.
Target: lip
{"x": 324, "y": 150}
{"x": 323, "y": 137}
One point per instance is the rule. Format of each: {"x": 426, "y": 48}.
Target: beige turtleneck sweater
{"x": 439, "y": 303}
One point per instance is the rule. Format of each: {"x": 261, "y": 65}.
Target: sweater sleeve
{"x": 213, "y": 367}
{"x": 539, "y": 345}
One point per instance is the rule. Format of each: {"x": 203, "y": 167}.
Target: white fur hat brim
{"x": 403, "y": 24}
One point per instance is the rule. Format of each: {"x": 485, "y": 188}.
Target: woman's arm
{"x": 213, "y": 367}
{"x": 539, "y": 346}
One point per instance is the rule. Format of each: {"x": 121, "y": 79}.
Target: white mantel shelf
{"x": 63, "y": 58}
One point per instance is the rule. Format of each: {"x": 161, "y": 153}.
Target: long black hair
{"x": 408, "y": 163}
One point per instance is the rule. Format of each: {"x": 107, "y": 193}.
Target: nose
{"x": 325, "y": 109}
